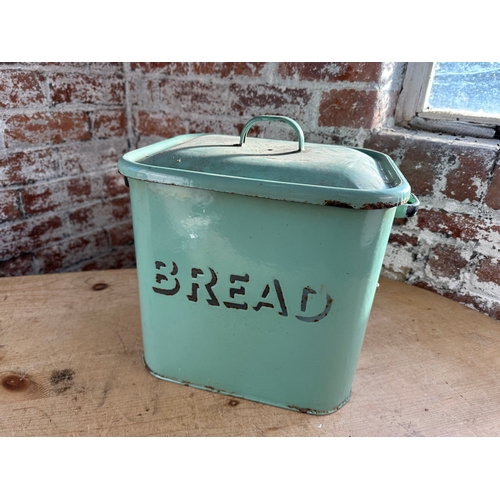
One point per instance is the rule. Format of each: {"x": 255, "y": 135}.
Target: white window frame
{"x": 410, "y": 110}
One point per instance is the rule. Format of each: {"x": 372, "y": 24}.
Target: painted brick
{"x": 18, "y": 266}
{"x": 228, "y": 69}
{"x": 100, "y": 214}
{"x": 403, "y": 239}
{"x": 117, "y": 259}
{"x": 388, "y": 143}
{"x": 92, "y": 156}
{"x": 464, "y": 227}
{"x": 71, "y": 251}
{"x": 64, "y": 65}
{"x": 347, "y": 108}
{"x": 121, "y": 234}
{"x": 25, "y": 167}
{"x": 253, "y": 100}
{"x": 161, "y": 125}
{"x": 46, "y": 128}
{"x": 464, "y": 181}
{"x": 445, "y": 261}
{"x": 214, "y": 126}
{"x": 423, "y": 163}
{"x": 85, "y": 88}
{"x": 492, "y": 311}
{"x": 114, "y": 184}
{"x": 9, "y": 207}
{"x": 91, "y": 216}
{"x": 43, "y": 197}
{"x": 193, "y": 97}
{"x": 79, "y": 190}
{"x": 109, "y": 124}
{"x": 331, "y": 72}
{"x": 168, "y": 68}
{"x": 109, "y": 66}
{"x": 67, "y": 192}
{"x": 489, "y": 270}
{"x": 84, "y": 219}
{"x": 492, "y": 198}
{"x": 21, "y": 89}
{"x": 22, "y": 237}
{"x": 120, "y": 208}
{"x": 143, "y": 92}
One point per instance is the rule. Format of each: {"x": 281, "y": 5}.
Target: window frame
{"x": 410, "y": 111}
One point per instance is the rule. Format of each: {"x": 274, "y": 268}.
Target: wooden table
{"x": 71, "y": 365}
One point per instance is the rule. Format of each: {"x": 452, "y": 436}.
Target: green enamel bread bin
{"x": 258, "y": 261}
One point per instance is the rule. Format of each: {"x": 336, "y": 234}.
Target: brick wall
{"x": 62, "y": 205}
{"x": 63, "y": 127}
{"x": 452, "y": 245}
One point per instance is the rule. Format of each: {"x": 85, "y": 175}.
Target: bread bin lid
{"x": 283, "y": 170}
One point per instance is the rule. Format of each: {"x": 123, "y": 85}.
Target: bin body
{"x": 260, "y": 298}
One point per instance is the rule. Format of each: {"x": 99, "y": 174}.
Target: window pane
{"x": 466, "y": 87}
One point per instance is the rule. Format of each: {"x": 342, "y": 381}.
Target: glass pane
{"x": 466, "y": 87}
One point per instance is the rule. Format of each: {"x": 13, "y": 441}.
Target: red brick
{"x": 123, "y": 257}
{"x": 9, "y": 207}
{"x": 489, "y": 270}
{"x": 109, "y": 124}
{"x": 21, "y": 237}
{"x": 121, "y": 234}
{"x": 228, "y": 69}
{"x": 46, "y": 128}
{"x": 348, "y": 108}
{"x": 215, "y": 126}
{"x": 159, "y": 124}
{"x": 492, "y": 198}
{"x": 425, "y": 160}
{"x": 481, "y": 305}
{"x": 86, "y": 218}
{"x": 403, "y": 239}
{"x": 423, "y": 163}
{"x": 114, "y": 184}
{"x": 193, "y": 97}
{"x": 68, "y": 192}
{"x": 385, "y": 142}
{"x": 445, "y": 261}
{"x": 100, "y": 214}
{"x": 168, "y": 68}
{"x": 79, "y": 189}
{"x": 252, "y": 100}
{"x": 492, "y": 311}
{"x": 26, "y": 167}
{"x": 120, "y": 208}
{"x": 462, "y": 298}
{"x": 474, "y": 166}
{"x": 456, "y": 226}
{"x": 91, "y": 156}
{"x": 18, "y": 266}
{"x": 332, "y": 72}
{"x": 21, "y": 88}
{"x": 69, "y": 252}
{"x": 84, "y": 88}
{"x": 43, "y": 197}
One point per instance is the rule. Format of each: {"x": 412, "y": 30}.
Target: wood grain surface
{"x": 71, "y": 365}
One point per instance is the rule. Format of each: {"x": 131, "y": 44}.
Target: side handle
{"x": 408, "y": 209}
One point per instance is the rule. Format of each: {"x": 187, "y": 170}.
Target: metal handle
{"x": 408, "y": 209}
{"x": 274, "y": 118}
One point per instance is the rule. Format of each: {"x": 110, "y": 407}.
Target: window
{"x": 461, "y": 98}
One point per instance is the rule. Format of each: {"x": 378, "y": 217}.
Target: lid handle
{"x": 274, "y": 118}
